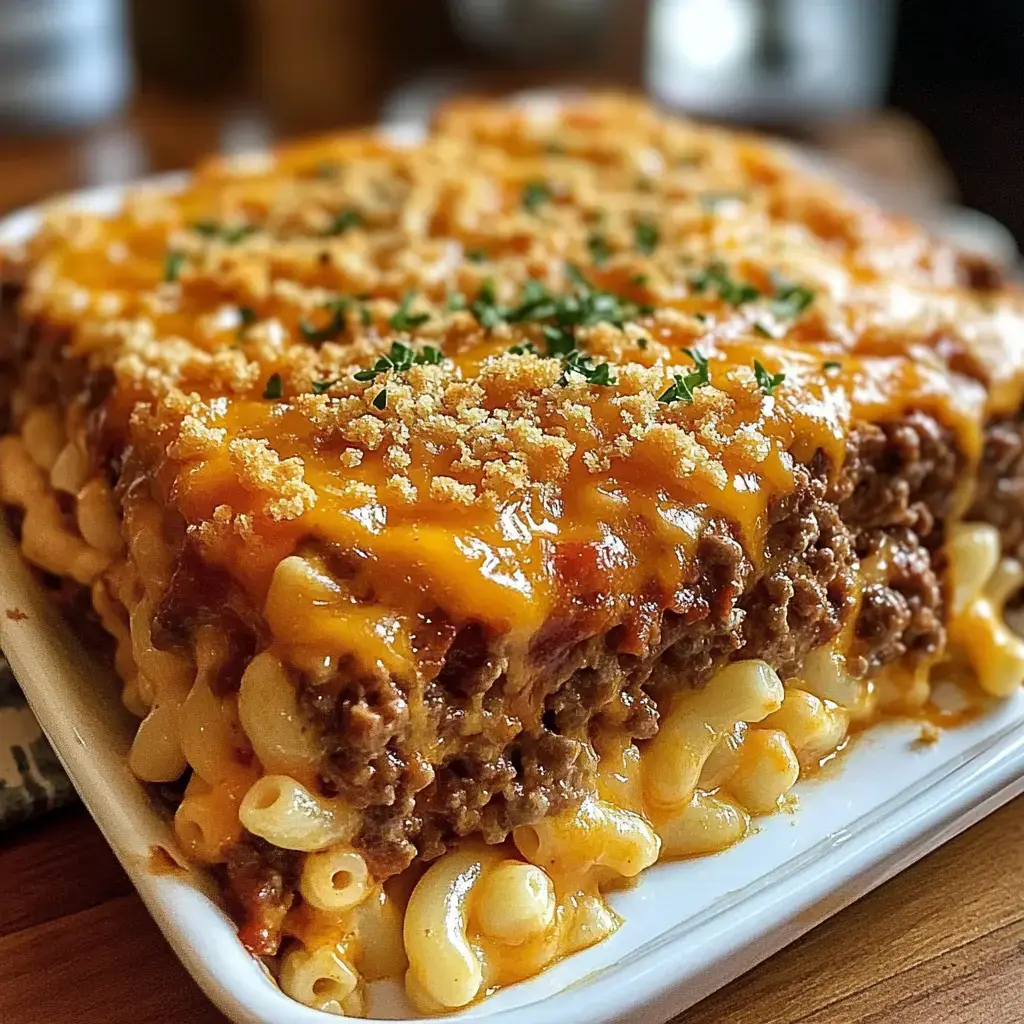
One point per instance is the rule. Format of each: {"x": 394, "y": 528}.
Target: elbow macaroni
{"x": 479, "y": 916}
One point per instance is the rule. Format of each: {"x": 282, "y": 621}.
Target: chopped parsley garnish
{"x": 640, "y": 280}
{"x": 535, "y": 194}
{"x": 381, "y": 399}
{"x": 767, "y": 382}
{"x": 526, "y": 348}
{"x": 831, "y": 365}
{"x": 554, "y": 148}
{"x": 576, "y": 362}
{"x": 274, "y": 387}
{"x": 321, "y": 387}
{"x": 646, "y": 236}
{"x": 402, "y": 319}
{"x": 333, "y": 329}
{"x": 684, "y": 384}
{"x": 599, "y": 251}
{"x": 228, "y": 235}
{"x": 485, "y": 306}
{"x": 343, "y": 221}
{"x": 455, "y": 302}
{"x": 790, "y": 300}
{"x": 476, "y": 255}
{"x": 247, "y": 316}
{"x": 401, "y": 358}
{"x": 763, "y": 331}
{"x": 716, "y": 277}
{"x": 173, "y": 262}
{"x": 557, "y": 315}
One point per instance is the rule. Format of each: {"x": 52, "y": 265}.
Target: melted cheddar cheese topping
{"x": 247, "y": 323}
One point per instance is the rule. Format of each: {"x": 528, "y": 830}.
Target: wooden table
{"x": 942, "y": 943}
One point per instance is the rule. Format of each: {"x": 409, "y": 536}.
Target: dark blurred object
{"x": 323, "y": 63}
{"x": 771, "y": 62}
{"x": 959, "y": 71}
{"x": 191, "y": 47}
{"x": 61, "y": 63}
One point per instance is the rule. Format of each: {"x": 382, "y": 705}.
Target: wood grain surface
{"x": 941, "y": 943}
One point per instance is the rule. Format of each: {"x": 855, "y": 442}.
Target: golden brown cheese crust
{"x": 236, "y": 381}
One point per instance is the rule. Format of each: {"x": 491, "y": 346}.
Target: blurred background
{"x": 918, "y": 102}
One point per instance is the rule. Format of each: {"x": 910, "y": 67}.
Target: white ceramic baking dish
{"x": 690, "y": 927}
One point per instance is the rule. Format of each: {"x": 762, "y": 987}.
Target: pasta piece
{"x": 443, "y": 965}
{"x": 288, "y": 815}
{"x": 156, "y": 754}
{"x": 745, "y": 691}
{"x": 768, "y": 770}
{"x": 268, "y": 709}
{"x": 707, "y": 824}
{"x": 206, "y": 821}
{"x": 596, "y": 835}
{"x": 334, "y": 879}
{"x": 377, "y": 922}
{"x": 515, "y": 902}
{"x": 815, "y": 728}
{"x": 321, "y": 978}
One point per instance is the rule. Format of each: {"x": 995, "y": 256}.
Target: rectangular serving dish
{"x": 689, "y": 927}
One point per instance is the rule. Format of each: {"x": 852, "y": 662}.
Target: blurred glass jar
{"x": 62, "y": 63}
{"x": 770, "y": 61}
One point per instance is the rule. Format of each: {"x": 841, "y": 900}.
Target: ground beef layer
{"x": 895, "y": 489}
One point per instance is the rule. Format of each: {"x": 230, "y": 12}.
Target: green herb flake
{"x": 207, "y": 228}
{"x": 247, "y": 316}
{"x": 646, "y": 236}
{"x": 684, "y": 385}
{"x": 173, "y": 262}
{"x": 597, "y": 244}
{"x": 581, "y": 365}
{"x": 476, "y": 255}
{"x": 274, "y": 388}
{"x": 760, "y": 328}
{"x": 402, "y": 357}
{"x": 321, "y": 387}
{"x": 455, "y": 302}
{"x": 766, "y": 381}
{"x": 343, "y": 221}
{"x": 233, "y": 235}
{"x": 381, "y": 399}
{"x": 715, "y": 277}
{"x": 403, "y": 320}
{"x": 526, "y": 348}
{"x": 535, "y": 194}
{"x": 790, "y": 300}
{"x": 831, "y": 366}
{"x": 640, "y": 280}
{"x": 330, "y": 331}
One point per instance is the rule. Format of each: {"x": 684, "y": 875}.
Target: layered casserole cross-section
{"x": 477, "y": 520}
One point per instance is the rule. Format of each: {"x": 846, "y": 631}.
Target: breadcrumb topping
{"x": 531, "y": 325}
